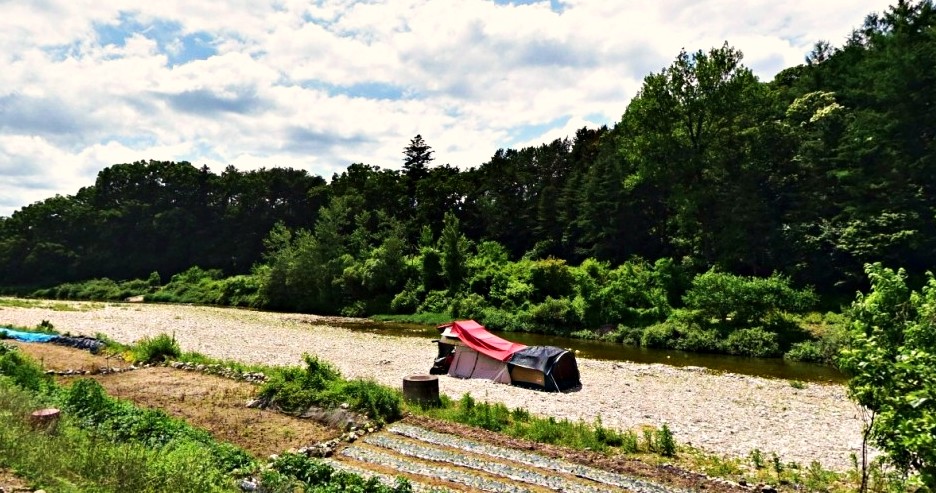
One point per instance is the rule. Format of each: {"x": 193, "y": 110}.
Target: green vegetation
{"x": 521, "y": 424}
{"x": 294, "y": 389}
{"x": 892, "y": 361}
{"x": 157, "y": 349}
{"x": 108, "y": 445}
{"x": 766, "y": 191}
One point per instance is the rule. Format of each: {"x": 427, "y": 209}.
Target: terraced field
{"x": 456, "y": 463}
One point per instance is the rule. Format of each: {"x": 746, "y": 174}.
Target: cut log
{"x": 44, "y": 418}
{"x": 421, "y": 388}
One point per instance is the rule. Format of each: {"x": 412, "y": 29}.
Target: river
{"x": 610, "y": 351}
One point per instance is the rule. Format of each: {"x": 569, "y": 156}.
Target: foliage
{"x": 317, "y": 476}
{"x": 752, "y": 342}
{"x": 892, "y": 364}
{"x": 521, "y": 424}
{"x": 295, "y": 389}
{"x": 74, "y": 458}
{"x": 757, "y": 188}
{"x": 21, "y": 370}
{"x": 96, "y": 290}
{"x": 159, "y": 349}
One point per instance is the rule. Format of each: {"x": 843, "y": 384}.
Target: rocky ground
{"x": 723, "y": 413}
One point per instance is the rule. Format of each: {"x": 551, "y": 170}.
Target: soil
{"x": 213, "y": 403}
{"x": 218, "y": 405}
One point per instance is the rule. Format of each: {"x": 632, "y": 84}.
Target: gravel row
{"x": 409, "y": 466}
{"x": 489, "y": 466}
{"x": 529, "y": 459}
{"x": 726, "y": 414}
{"x": 385, "y": 479}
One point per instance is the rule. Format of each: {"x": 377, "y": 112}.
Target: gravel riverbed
{"x": 727, "y": 414}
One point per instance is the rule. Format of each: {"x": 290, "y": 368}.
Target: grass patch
{"x": 520, "y": 423}
{"x": 295, "y": 389}
{"x": 159, "y": 349}
{"x": 48, "y": 305}
{"x": 425, "y": 318}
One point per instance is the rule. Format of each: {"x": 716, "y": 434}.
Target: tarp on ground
{"x": 26, "y": 336}
{"x": 475, "y": 336}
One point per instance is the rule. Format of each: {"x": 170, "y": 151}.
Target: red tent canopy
{"x": 475, "y": 336}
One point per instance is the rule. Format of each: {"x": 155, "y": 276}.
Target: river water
{"x": 762, "y": 367}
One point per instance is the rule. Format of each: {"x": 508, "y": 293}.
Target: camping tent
{"x": 544, "y": 368}
{"x": 468, "y": 350}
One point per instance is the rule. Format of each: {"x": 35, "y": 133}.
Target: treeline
{"x": 799, "y": 181}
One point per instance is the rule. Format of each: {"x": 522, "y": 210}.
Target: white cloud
{"x": 319, "y": 85}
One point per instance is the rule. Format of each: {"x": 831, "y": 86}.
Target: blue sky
{"x": 319, "y": 85}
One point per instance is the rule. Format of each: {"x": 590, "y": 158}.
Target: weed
{"x": 777, "y": 465}
{"x": 757, "y": 459}
{"x": 156, "y": 350}
{"x": 665, "y": 444}
{"x": 798, "y": 384}
{"x": 649, "y": 443}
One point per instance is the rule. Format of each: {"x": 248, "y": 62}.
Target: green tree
{"x": 692, "y": 134}
{"x": 454, "y": 248}
{"x": 892, "y": 363}
{"x": 417, "y": 156}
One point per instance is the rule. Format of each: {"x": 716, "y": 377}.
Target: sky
{"x": 320, "y": 84}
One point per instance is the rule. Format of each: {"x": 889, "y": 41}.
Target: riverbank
{"x": 726, "y": 414}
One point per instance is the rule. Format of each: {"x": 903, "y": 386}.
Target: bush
{"x": 554, "y": 316}
{"x": 752, "y": 342}
{"x": 664, "y": 443}
{"x": 810, "y": 351}
{"x": 470, "y": 306}
{"x": 406, "y": 301}
{"x": 699, "y": 340}
{"x": 158, "y": 349}
{"x": 22, "y": 370}
{"x": 739, "y": 301}
{"x": 661, "y": 335}
{"x": 436, "y": 301}
{"x": 380, "y": 403}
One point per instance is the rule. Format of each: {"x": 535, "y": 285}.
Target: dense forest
{"x": 714, "y": 190}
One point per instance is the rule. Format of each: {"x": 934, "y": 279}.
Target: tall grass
{"x": 157, "y": 349}
{"x": 295, "y": 389}
{"x": 521, "y": 424}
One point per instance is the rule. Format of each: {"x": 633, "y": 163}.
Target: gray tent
{"x": 544, "y": 368}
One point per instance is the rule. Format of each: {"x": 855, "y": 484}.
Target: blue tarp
{"x": 26, "y": 336}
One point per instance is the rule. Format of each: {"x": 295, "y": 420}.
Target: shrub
{"x": 406, "y": 301}
{"x": 156, "y": 350}
{"x": 556, "y": 316}
{"x": 380, "y": 403}
{"x": 810, "y": 351}
{"x": 436, "y": 301}
{"x": 743, "y": 301}
{"x": 551, "y": 278}
{"x": 470, "y": 306}
{"x": 752, "y": 342}
{"x": 22, "y": 370}
{"x": 696, "y": 339}
{"x": 660, "y": 335}
{"x": 664, "y": 442}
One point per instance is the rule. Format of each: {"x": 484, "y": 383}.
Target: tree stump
{"x": 421, "y": 388}
{"x": 44, "y": 419}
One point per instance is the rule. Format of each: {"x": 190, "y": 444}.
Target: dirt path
{"x": 725, "y": 413}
